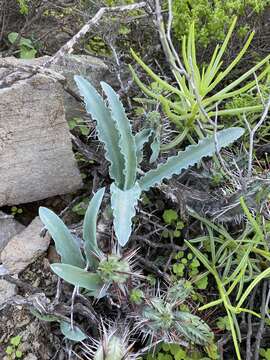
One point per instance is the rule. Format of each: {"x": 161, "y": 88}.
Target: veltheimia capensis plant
{"x": 197, "y": 95}
{"x": 124, "y": 150}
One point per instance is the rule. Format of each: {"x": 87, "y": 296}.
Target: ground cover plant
{"x": 164, "y": 253}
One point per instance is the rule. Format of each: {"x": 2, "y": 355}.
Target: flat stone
{"x": 36, "y": 158}
{"x": 8, "y": 228}
{"x": 24, "y": 248}
{"x": 7, "y": 291}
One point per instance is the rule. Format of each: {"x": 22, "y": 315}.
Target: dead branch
{"x": 68, "y": 47}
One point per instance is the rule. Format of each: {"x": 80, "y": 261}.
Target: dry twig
{"x": 69, "y": 46}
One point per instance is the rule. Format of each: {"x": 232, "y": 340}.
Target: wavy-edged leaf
{"x": 106, "y": 128}
{"x": 72, "y": 333}
{"x": 193, "y": 328}
{"x": 66, "y": 246}
{"x": 155, "y": 147}
{"x": 140, "y": 139}
{"x": 90, "y": 228}
{"x": 123, "y": 205}
{"x": 127, "y": 140}
{"x": 79, "y": 277}
{"x": 190, "y": 156}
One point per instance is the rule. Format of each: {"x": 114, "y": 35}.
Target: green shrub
{"x": 212, "y": 18}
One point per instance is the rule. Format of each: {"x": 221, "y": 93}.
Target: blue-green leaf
{"x": 72, "y": 333}
{"x": 79, "y": 277}
{"x": 127, "y": 140}
{"x": 155, "y": 147}
{"x": 106, "y": 128}
{"x": 123, "y": 205}
{"x": 140, "y": 139}
{"x": 90, "y": 228}
{"x": 190, "y": 156}
{"x": 66, "y": 246}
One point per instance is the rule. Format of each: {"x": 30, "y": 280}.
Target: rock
{"x": 36, "y": 158}
{"x": 8, "y": 228}
{"x": 7, "y": 291}
{"x": 92, "y": 68}
{"x": 30, "y": 357}
{"x": 24, "y": 248}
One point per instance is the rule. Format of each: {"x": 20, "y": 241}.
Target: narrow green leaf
{"x": 190, "y": 156}
{"x": 106, "y": 127}
{"x": 261, "y": 276}
{"x": 224, "y": 73}
{"x": 66, "y": 246}
{"x": 78, "y": 277}
{"x": 202, "y": 258}
{"x": 155, "y": 77}
{"x": 126, "y": 138}
{"x": 90, "y": 228}
{"x": 123, "y": 205}
{"x": 219, "y": 95}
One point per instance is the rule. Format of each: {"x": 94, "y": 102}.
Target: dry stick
{"x": 252, "y": 133}
{"x": 249, "y": 323}
{"x": 262, "y": 322}
{"x": 267, "y": 304}
{"x": 68, "y": 47}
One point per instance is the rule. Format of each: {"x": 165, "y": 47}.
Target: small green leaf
{"x": 12, "y": 37}
{"x": 9, "y": 350}
{"x": 169, "y": 216}
{"x": 202, "y": 283}
{"x": 66, "y": 245}
{"x": 74, "y": 333}
{"x": 18, "y": 354}
{"x": 16, "y": 340}
{"x": 26, "y": 53}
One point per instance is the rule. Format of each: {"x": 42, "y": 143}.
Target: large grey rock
{"x": 24, "y": 248}
{"x": 36, "y": 158}
{"x": 8, "y": 228}
{"x": 92, "y": 68}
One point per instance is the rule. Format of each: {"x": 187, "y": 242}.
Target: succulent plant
{"x": 160, "y": 319}
{"x": 114, "y": 344}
